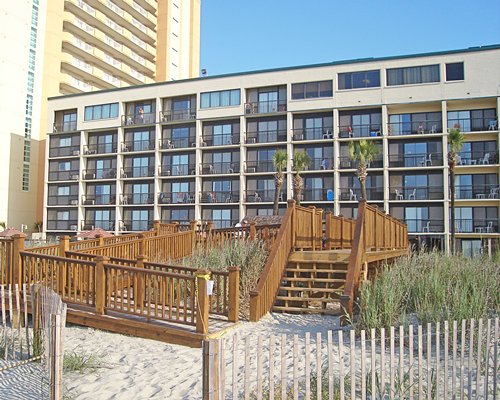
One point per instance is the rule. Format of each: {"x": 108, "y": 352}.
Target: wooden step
{"x": 312, "y": 280}
{"x": 319, "y": 271}
{"x": 311, "y": 289}
{"x": 309, "y": 299}
{"x": 303, "y": 310}
{"x": 320, "y": 256}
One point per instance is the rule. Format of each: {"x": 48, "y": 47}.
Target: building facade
{"x": 79, "y": 46}
{"x": 202, "y": 148}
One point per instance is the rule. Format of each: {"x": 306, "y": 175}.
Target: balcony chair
{"x": 489, "y": 228}
{"x": 329, "y": 195}
{"x": 427, "y": 227}
{"x": 413, "y": 194}
{"x": 256, "y": 197}
{"x": 427, "y": 160}
{"x": 352, "y": 195}
{"x": 485, "y": 160}
{"x": 230, "y": 170}
{"x": 492, "y": 126}
{"x": 493, "y": 193}
{"x": 399, "y": 196}
{"x": 433, "y": 129}
{"x": 324, "y": 164}
{"x": 420, "y": 129}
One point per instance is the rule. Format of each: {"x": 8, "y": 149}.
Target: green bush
{"x": 430, "y": 287}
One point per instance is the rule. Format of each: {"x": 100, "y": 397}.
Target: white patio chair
{"x": 399, "y": 196}
{"x": 352, "y": 195}
{"x": 427, "y": 227}
{"x": 485, "y": 160}
{"x": 413, "y": 194}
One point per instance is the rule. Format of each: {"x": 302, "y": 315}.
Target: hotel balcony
{"x": 230, "y": 167}
{"x": 266, "y": 137}
{"x": 414, "y": 193}
{"x": 130, "y": 198}
{"x": 467, "y": 125}
{"x": 313, "y": 133}
{"x": 357, "y": 131}
{"x": 177, "y": 170}
{"x": 135, "y": 225}
{"x": 71, "y": 175}
{"x": 231, "y": 196}
{"x": 90, "y": 224}
{"x": 347, "y": 163}
{"x": 259, "y": 166}
{"x": 320, "y": 194}
{"x": 428, "y": 127}
{"x": 138, "y": 172}
{"x": 477, "y": 192}
{"x": 415, "y": 160}
{"x": 64, "y": 127}
{"x": 98, "y": 199}
{"x": 188, "y": 114}
{"x": 467, "y": 158}
{"x": 489, "y": 225}
{"x": 265, "y": 107}
{"x": 176, "y": 198}
{"x": 179, "y": 143}
{"x": 65, "y": 151}
{"x": 62, "y": 200}
{"x": 62, "y": 225}
{"x": 139, "y": 119}
{"x": 104, "y": 148}
{"x": 425, "y": 225}
{"x": 355, "y": 194}
{"x": 104, "y": 173}
{"x": 220, "y": 140}
{"x": 258, "y": 196}
{"x": 138, "y": 145}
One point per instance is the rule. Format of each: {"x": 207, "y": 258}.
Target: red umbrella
{"x": 9, "y": 232}
{"x": 93, "y": 233}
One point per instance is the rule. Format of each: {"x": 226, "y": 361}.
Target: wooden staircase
{"x": 313, "y": 282}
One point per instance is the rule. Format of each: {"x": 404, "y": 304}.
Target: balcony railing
{"x": 64, "y": 127}
{"x": 347, "y": 163}
{"x": 62, "y": 200}
{"x": 89, "y": 225}
{"x": 104, "y": 148}
{"x": 72, "y": 175}
{"x": 176, "y": 198}
{"x": 257, "y": 196}
{"x": 138, "y": 172}
{"x": 425, "y": 225}
{"x": 478, "y": 158}
{"x": 473, "y": 124}
{"x": 464, "y": 192}
{"x": 135, "y": 225}
{"x": 178, "y": 170}
{"x": 138, "y": 145}
{"x": 232, "y": 196}
{"x": 313, "y": 133}
{"x": 265, "y": 107}
{"x": 365, "y": 130}
{"x": 89, "y": 174}
{"x": 355, "y": 194}
{"x": 99, "y": 199}
{"x": 66, "y": 151}
{"x": 136, "y": 198}
{"x": 259, "y": 166}
{"x": 62, "y": 225}
{"x": 232, "y": 167}
{"x": 489, "y": 225}
{"x": 220, "y": 140}
{"x": 417, "y": 193}
{"x": 178, "y": 115}
{"x": 416, "y": 160}
{"x": 272, "y": 136}
{"x": 415, "y": 128}
{"x": 138, "y": 119}
{"x": 179, "y": 143}
{"x": 320, "y": 194}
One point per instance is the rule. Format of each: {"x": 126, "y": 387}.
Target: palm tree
{"x": 301, "y": 161}
{"x": 455, "y": 143}
{"x": 364, "y": 152}
{"x": 280, "y": 158}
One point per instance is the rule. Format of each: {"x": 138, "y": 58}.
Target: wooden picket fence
{"x": 447, "y": 360}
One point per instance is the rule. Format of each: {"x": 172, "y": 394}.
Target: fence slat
{"x": 410, "y": 359}
{"x": 272, "y": 341}
{"x": 341, "y": 364}
{"x": 247, "y": 367}
{"x": 420, "y": 362}
{"x": 283, "y": 366}
{"x": 307, "y": 360}
{"x": 222, "y": 368}
{"x": 392, "y": 361}
{"x": 478, "y": 361}
{"x": 330, "y": 365}
{"x": 470, "y": 360}
{"x": 438, "y": 350}
{"x": 454, "y": 362}
{"x": 495, "y": 358}
{"x": 319, "y": 372}
{"x": 352, "y": 360}
{"x": 259, "y": 367}
{"x": 446, "y": 335}
{"x": 373, "y": 361}
{"x": 295, "y": 367}
{"x": 487, "y": 359}
{"x": 429, "y": 359}
{"x": 462, "y": 359}
{"x": 382, "y": 361}
{"x": 235, "y": 366}
{"x": 363, "y": 365}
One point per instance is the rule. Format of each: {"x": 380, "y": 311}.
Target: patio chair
{"x": 433, "y": 129}
{"x": 489, "y": 228}
{"x": 427, "y": 227}
{"x": 492, "y": 126}
{"x": 485, "y": 160}
{"x": 493, "y": 193}
{"x": 427, "y": 160}
{"x": 413, "y": 194}
{"x": 399, "y": 196}
{"x": 352, "y": 195}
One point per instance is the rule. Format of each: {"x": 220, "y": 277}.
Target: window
{"x": 221, "y": 219}
{"x": 103, "y": 219}
{"x": 455, "y": 71}
{"x": 223, "y": 98}
{"x": 64, "y": 166}
{"x": 361, "y": 79}
{"x": 140, "y": 220}
{"x": 65, "y": 142}
{"x": 101, "y": 111}
{"x": 140, "y": 193}
{"x": 63, "y": 191}
{"x": 413, "y": 75}
{"x": 312, "y": 90}
{"x": 222, "y": 134}
{"x": 416, "y": 218}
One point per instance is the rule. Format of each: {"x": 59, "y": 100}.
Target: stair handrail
{"x": 262, "y": 297}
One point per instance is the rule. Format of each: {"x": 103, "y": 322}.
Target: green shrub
{"x": 82, "y": 362}
{"x": 430, "y": 287}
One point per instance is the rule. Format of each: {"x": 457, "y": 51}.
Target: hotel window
{"x": 311, "y": 90}
{"x": 455, "y": 71}
{"x": 412, "y": 75}
{"x": 223, "y": 98}
{"x": 101, "y": 111}
{"x": 358, "y": 80}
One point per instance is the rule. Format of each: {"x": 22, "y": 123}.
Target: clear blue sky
{"x": 245, "y": 35}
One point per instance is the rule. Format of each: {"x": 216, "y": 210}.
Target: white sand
{"x": 146, "y": 369}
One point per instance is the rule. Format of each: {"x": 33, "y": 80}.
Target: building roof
{"x": 327, "y": 64}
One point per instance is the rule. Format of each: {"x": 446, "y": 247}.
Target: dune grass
{"x": 82, "y": 361}
{"x": 430, "y": 287}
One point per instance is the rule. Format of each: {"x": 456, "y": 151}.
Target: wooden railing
{"x": 308, "y": 228}
{"x": 51, "y": 250}
{"x": 262, "y": 298}
{"x": 339, "y": 232}
{"x": 374, "y": 231}
{"x": 6, "y": 252}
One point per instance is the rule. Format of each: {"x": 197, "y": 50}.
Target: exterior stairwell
{"x": 312, "y": 283}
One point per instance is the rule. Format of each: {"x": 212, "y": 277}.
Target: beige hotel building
{"x": 61, "y": 47}
{"x": 201, "y": 149}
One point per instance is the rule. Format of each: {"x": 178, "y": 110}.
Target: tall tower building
{"x": 75, "y": 46}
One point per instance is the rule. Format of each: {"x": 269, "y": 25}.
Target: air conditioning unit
{"x": 76, "y": 152}
{"x": 73, "y": 227}
{"x": 75, "y": 177}
{"x": 88, "y": 227}
{"x": 74, "y": 202}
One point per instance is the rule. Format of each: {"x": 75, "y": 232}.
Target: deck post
{"x": 234, "y": 294}
{"x": 202, "y": 301}
{"x": 142, "y": 243}
{"x": 63, "y": 245}
{"x": 192, "y": 227}
{"x": 17, "y": 265}
{"x": 101, "y": 240}
{"x": 139, "y": 290}
{"x": 210, "y": 385}
{"x": 291, "y": 204}
{"x": 313, "y": 227}
{"x": 100, "y": 284}
{"x": 328, "y": 230}
{"x": 253, "y": 230}
{"x": 156, "y": 227}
